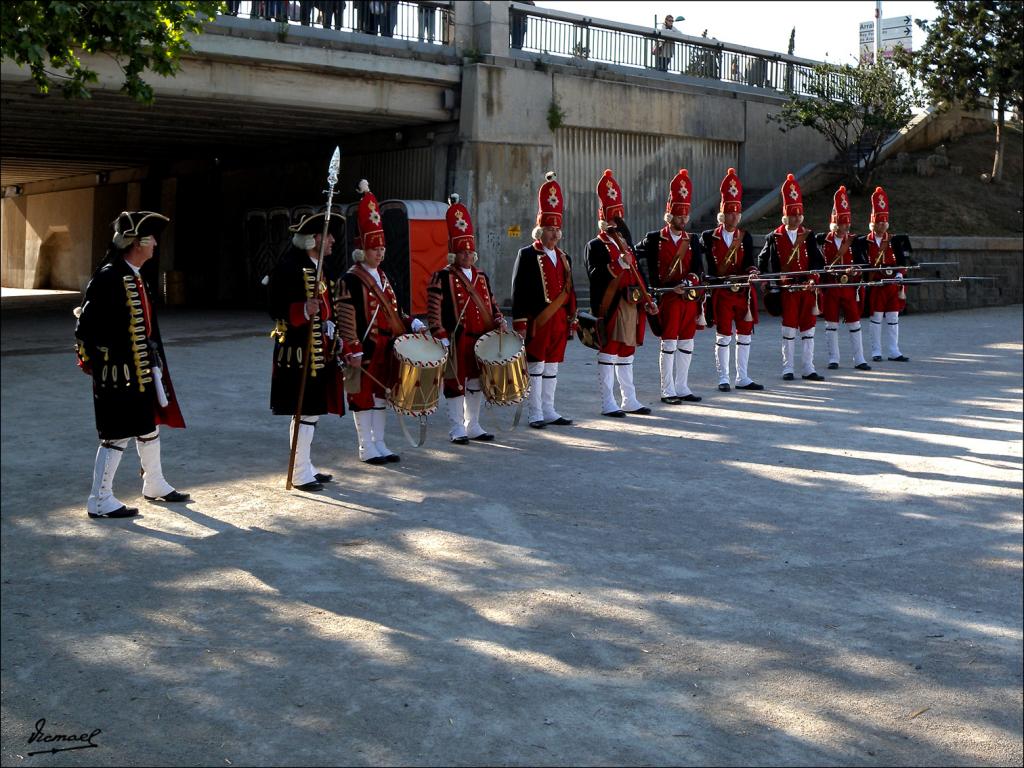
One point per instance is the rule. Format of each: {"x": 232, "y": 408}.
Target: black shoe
{"x": 561, "y": 421}
{"x": 876, "y": 358}
{"x": 833, "y": 366}
{"x": 691, "y": 398}
{"x": 814, "y": 376}
{"x": 751, "y": 387}
{"x": 462, "y": 440}
{"x": 643, "y": 410}
{"x": 171, "y": 497}
{"x": 537, "y": 424}
{"x": 122, "y": 511}
{"x": 392, "y": 458}
{"x": 615, "y": 414}
{"x": 486, "y": 437}
{"x": 863, "y": 367}
{"x": 376, "y": 461}
{"x": 323, "y": 477}
{"x": 673, "y": 400}
{"x": 900, "y": 359}
{"x": 788, "y": 377}
{"x": 724, "y": 387}
{"x": 310, "y": 486}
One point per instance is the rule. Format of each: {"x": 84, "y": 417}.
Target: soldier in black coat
{"x": 119, "y": 345}
{"x": 300, "y": 307}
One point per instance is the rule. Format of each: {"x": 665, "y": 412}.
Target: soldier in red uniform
{"x": 119, "y": 345}
{"x": 461, "y": 309}
{"x": 674, "y": 260}
{"x": 296, "y": 304}
{"x": 369, "y": 320}
{"x": 885, "y": 254}
{"x": 793, "y": 248}
{"x": 839, "y": 258}
{"x": 544, "y": 304}
{"x": 619, "y": 300}
{"x": 729, "y": 253}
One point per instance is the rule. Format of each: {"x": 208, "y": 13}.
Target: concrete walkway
{"x": 817, "y": 574}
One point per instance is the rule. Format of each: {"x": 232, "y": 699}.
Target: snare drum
{"x": 421, "y": 360}
{"x": 503, "y": 376}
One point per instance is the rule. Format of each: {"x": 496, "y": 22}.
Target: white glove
{"x": 445, "y": 343}
{"x": 418, "y": 325}
{"x": 329, "y": 329}
{"x": 158, "y": 383}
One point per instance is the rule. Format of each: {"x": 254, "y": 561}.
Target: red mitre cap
{"x": 549, "y": 202}
{"x": 879, "y": 205}
{"x": 732, "y": 193}
{"x": 609, "y": 193}
{"x": 680, "y": 194}
{"x": 371, "y": 231}
{"x": 460, "y": 226}
{"x": 792, "y": 197}
{"x": 841, "y": 213}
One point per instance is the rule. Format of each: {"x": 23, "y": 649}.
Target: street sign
{"x": 867, "y": 41}
{"x": 899, "y": 21}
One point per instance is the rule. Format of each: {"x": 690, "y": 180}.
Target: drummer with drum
{"x": 461, "y": 308}
{"x": 369, "y": 321}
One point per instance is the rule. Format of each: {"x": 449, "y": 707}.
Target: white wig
{"x": 304, "y": 242}
{"x": 451, "y": 258}
{"x": 833, "y": 227}
{"x": 785, "y": 220}
{"x": 358, "y": 255}
{"x": 721, "y": 218}
{"x": 668, "y": 219}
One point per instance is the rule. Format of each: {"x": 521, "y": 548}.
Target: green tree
{"x": 49, "y": 36}
{"x": 972, "y": 57}
{"x": 856, "y": 108}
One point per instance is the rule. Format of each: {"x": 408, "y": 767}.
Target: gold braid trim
{"x": 137, "y": 333}
{"x": 312, "y": 292}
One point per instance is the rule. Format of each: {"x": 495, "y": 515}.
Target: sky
{"x": 825, "y": 31}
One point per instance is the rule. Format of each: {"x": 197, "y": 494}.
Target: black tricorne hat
{"x": 131, "y": 225}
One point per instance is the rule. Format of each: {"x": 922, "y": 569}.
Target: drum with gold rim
{"x": 503, "y": 376}
{"x": 421, "y": 360}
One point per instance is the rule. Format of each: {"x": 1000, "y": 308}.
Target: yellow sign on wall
{"x": 515, "y": 231}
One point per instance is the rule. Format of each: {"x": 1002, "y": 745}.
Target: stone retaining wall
{"x": 998, "y": 257}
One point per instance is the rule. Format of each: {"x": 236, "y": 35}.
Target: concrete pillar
{"x": 12, "y": 237}
{"x": 481, "y": 27}
{"x": 168, "y": 199}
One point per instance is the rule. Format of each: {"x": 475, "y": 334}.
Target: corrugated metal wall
{"x": 643, "y": 164}
{"x": 404, "y": 174}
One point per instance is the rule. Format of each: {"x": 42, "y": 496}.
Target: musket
{"x": 332, "y": 179}
{"x": 804, "y": 286}
{"x": 840, "y": 268}
{"x": 912, "y": 281}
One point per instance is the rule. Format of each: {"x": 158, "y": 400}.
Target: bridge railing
{"x": 429, "y": 21}
{"x": 554, "y": 33}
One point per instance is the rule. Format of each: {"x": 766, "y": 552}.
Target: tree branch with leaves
{"x": 856, "y": 108}
{"x": 49, "y": 38}
{"x": 972, "y": 57}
